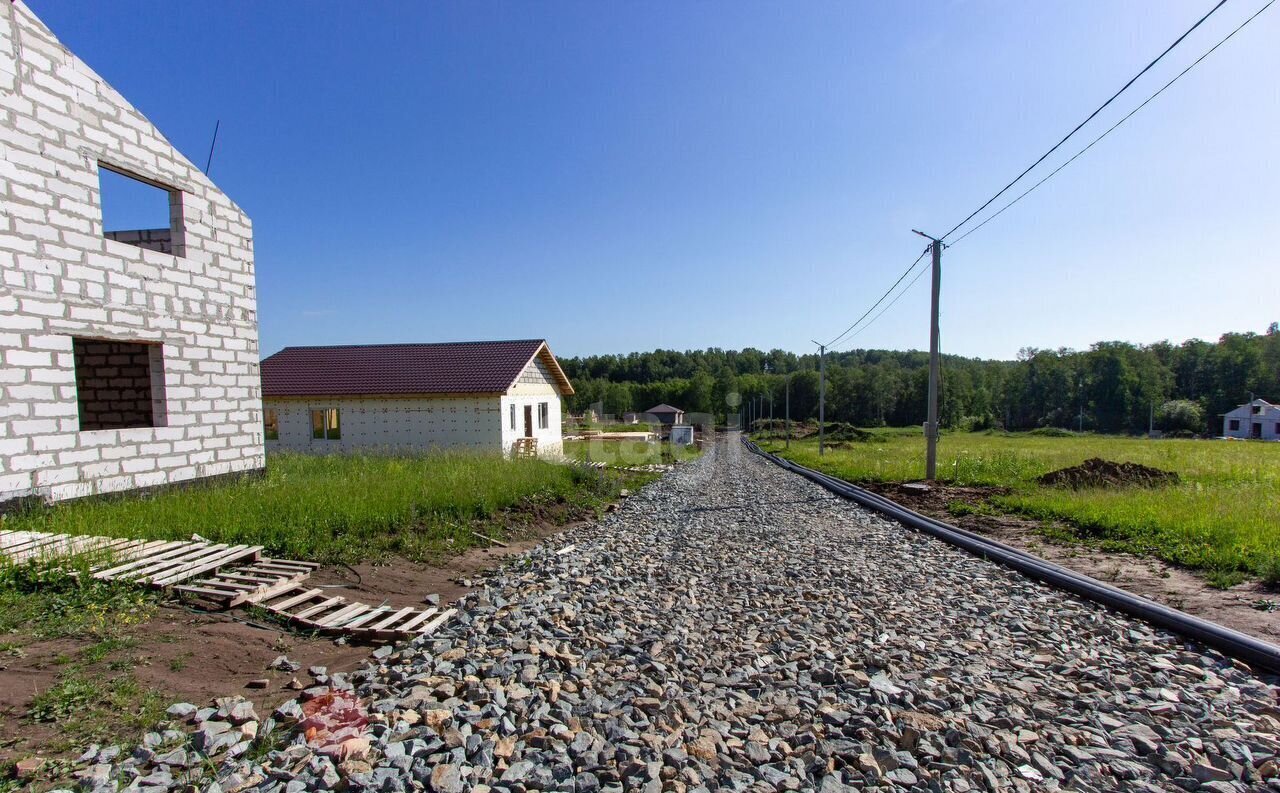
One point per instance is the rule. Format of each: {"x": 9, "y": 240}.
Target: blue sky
{"x": 619, "y": 177}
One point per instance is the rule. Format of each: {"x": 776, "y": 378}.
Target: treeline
{"x": 1111, "y": 387}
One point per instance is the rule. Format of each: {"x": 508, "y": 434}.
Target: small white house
{"x": 1257, "y": 420}
{"x": 414, "y": 397}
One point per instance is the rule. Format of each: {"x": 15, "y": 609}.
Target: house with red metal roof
{"x": 488, "y": 396}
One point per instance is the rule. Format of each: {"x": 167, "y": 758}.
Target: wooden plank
{"x": 164, "y": 551}
{"x": 72, "y": 546}
{"x": 438, "y": 621}
{"x": 212, "y": 584}
{"x": 264, "y": 593}
{"x": 133, "y": 552}
{"x": 292, "y": 601}
{"x": 234, "y": 586}
{"x": 35, "y": 548}
{"x": 365, "y": 617}
{"x": 19, "y": 540}
{"x": 307, "y": 612}
{"x": 37, "y": 543}
{"x": 199, "y": 590}
{"x": 392, "y": 620}
{"x": 152, "y": 566}
{"x": 235, "y": 554}
{"x": 285, "y": 565}
{"x": 341, "y": 616}
{"x": 238, "y": 575}
{"x": 417, "y": 620}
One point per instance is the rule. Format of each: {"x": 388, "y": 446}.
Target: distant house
{"x": 665, "y": 414}
{"x": 414, "y": 397}
{"x": 1259, "y": 420}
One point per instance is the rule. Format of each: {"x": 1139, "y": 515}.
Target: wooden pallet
{"x": 524, "y": 449}
{"x": 312, "y": 609}
{"x": 234, "y": 586}
{"x": 225, "y": 576}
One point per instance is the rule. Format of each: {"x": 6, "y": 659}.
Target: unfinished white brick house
{"x": 130, "y": 356}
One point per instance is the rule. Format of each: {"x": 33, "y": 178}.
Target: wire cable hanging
{"x": 905, "y": 273}
{"x": 1113, "y": 127}
{"x": 1091, "y": 116}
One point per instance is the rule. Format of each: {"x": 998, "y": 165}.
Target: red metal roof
{"x": 465, "y": 367}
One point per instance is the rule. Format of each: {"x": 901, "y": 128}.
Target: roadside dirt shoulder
{"x": 1146, "y": 576}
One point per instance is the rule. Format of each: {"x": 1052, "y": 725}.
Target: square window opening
{"x": 139, "y": 211}
{"x": 1233, "y": 424}
{"x": 119, "y": 384}
{"x": 270, "y": 424}
{"x": 325, "y": 425}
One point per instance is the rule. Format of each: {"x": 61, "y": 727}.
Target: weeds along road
{"x": 735, "y": 627}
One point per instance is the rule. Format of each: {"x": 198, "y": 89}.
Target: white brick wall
{"x": 61, "y": 278}
{"x": 393, "y": 424}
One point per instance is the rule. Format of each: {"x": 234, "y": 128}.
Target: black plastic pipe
{"x": 1234, "y": 644}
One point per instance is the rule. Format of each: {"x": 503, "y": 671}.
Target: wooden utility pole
{"x": 935, "y": 367}
{"x": 822, "y": 398}
{"x": 788, "y": 410}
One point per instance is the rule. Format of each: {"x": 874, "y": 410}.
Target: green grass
{"x": 628, "y": 452}
{"x": 49, "y": 603}
{"x": 1222, "y": 519}
{"x": 96, "y": 697}
{"x": 343, "y": 508}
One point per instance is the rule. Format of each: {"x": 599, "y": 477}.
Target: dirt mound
{"x": 1096, "y": 472}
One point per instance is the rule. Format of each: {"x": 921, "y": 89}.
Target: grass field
{"x": 1222, "y": 519}
{"x": 344, "y": 508}
{"x": 628, "y": 452}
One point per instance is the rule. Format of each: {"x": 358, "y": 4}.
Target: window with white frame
{"x": 544, "y": 416}
{"x": 325, "y": 425}
{"x": 513, "y": 416}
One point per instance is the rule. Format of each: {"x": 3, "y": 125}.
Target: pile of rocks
{"x": 734, "y": 627}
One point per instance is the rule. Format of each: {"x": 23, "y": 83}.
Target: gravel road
{"x": 735, "y": 627}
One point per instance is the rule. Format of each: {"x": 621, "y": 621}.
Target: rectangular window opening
{"x": 513, "y": 417}
{"x": 325, "y": 425}
{"x": 139, "y": 211}
{"x": 1233, "y": 424}
{"x": 119, "y": 384}
{"x": 270, "y": 424}
{"x": 544, "y": 416}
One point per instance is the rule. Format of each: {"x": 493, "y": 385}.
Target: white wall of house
{"x": 534, "y": 388}
{"x": 1244, "y": 419}
{"x": 393, "y": 424}
{"x": 62, "y": 278}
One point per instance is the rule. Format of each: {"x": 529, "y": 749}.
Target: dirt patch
{"x": 194, "y": 656}
{"x": 1152, "y": 578}
{"x": 1096, "y": 472}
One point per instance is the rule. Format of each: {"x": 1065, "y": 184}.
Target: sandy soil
{"x": 1146, "y": 576}
{"x": 195, "y": 656}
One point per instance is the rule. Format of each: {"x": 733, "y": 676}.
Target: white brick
{"x": 60, "y": 278}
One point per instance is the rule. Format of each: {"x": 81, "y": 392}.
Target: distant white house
{"x": 414, "y": 397}
{"x": 1259, "y": 420}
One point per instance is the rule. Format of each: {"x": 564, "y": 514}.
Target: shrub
{"x": 1181, "y": 414}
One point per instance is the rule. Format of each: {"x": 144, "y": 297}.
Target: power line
{"x": 891, "y": 303}
{"x": 1113, "y": 127}
{"x": 878, "y": 302}
{"x": 1091, "y": 116}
